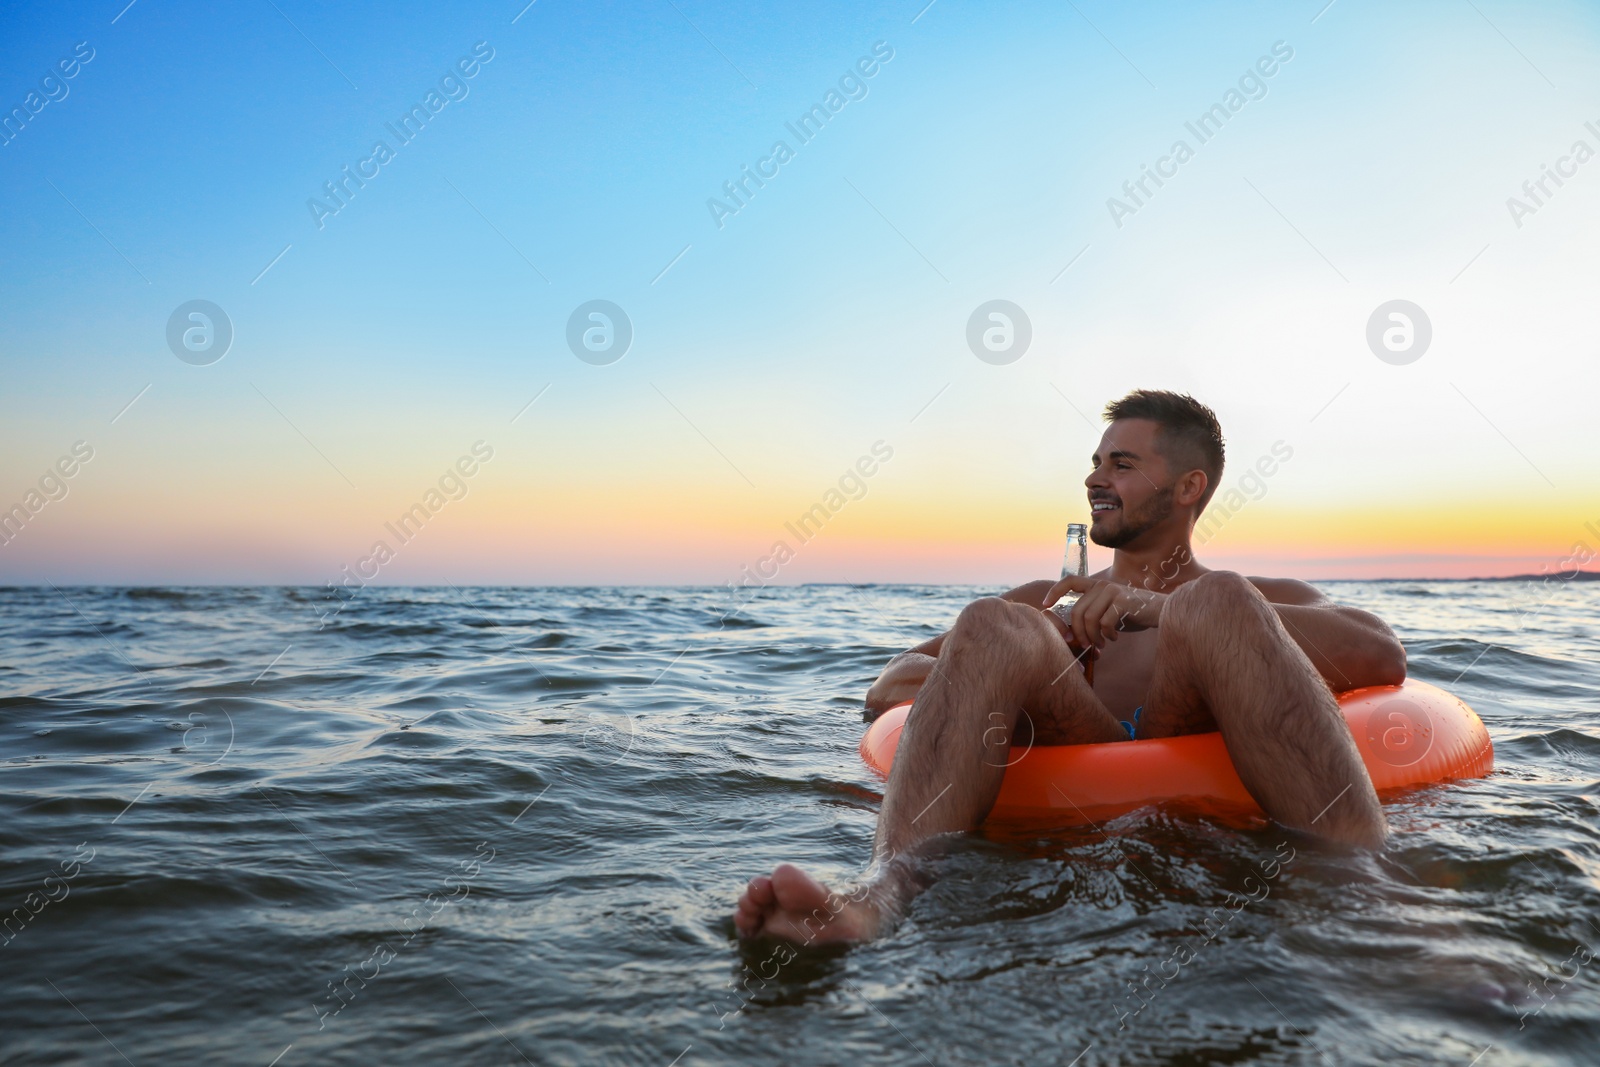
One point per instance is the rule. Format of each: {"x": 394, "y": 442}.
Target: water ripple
{"x": 536, "y": 806}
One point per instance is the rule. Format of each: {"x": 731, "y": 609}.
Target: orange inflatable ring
{"x": 1409, "y": 735}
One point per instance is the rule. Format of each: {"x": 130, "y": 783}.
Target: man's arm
{"x": 905, "y": 673}
{"x": 1349, "y": 647}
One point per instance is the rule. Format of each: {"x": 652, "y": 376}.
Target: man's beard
{"x": 1136, "y": 524}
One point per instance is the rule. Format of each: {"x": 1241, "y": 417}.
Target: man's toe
{"x": 759, "y": 892}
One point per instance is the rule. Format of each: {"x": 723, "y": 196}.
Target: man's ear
{"x": 1191, "y": 487}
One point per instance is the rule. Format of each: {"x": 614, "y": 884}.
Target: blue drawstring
{"x": 1132, "y": 727}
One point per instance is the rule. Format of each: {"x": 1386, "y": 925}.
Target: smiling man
{"x": 1178, "y": 649}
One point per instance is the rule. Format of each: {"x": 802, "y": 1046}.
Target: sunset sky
{"x": 773, "y": 347}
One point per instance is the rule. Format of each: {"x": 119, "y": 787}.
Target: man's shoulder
{"x": 1287, "y": 590}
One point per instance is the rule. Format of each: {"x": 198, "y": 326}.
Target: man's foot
{"x": 791, "y": 905}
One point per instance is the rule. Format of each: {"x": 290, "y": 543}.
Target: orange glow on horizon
{"x": 706, "y": 534}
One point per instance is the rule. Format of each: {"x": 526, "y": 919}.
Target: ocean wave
{"x": 630, "y": 764}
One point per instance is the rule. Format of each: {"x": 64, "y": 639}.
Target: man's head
{"x": 1157, "y": 465}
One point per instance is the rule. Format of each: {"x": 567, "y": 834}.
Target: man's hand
{"x": 1105, "y": 608}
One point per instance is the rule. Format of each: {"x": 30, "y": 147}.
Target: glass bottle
{"x": 1076, "y": 559}
{"x": 1075, "y": 562}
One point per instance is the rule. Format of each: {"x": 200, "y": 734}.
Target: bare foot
{"x": 791, "y": 905}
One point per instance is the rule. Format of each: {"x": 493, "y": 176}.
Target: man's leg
{"x": 999, "y": 659}
{"x": 1224, "y": 661}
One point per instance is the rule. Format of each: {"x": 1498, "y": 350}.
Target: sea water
{"x": 463, "y": 825}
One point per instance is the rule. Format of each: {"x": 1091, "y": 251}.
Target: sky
{"x": 787, "y": 338}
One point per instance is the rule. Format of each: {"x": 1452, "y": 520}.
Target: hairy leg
{"x": 1000, "y": 660}
{"x": 1224, "y": 661}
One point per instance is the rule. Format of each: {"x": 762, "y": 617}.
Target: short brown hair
{"x": 1190, "y": 437}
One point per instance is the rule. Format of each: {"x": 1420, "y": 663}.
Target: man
{"x": 1178, "y": 649}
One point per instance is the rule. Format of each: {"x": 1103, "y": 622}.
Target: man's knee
{"x": 1210, "y": 599}
{"x": 991, "y": 615}
{"x": 994, "y": 637}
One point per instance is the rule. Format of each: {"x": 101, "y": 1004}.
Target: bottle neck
{"x": 1076, "y": 559}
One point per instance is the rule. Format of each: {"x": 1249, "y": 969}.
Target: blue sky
{"x": 824, "y": 316}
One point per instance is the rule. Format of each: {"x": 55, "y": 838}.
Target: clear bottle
{"x": 1075, "y": 562}
{"x": 1076, "y": 559}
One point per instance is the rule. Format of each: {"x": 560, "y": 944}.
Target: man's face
{"x": 1130, "y": 487}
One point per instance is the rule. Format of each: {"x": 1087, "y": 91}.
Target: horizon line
{"x": 1581, "y": 575}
